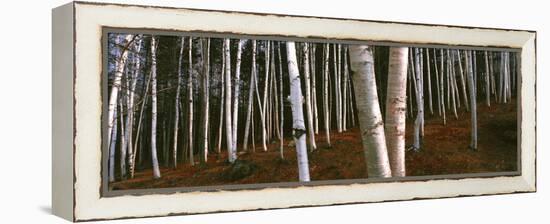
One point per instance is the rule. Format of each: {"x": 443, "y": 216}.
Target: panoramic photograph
{"x": 193, "y": 111}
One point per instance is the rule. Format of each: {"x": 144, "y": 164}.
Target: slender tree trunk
{"x": 326, "y": 94}
{"x": 472, "y": 87}
{"x": 345, "y": 91}
{"x": 264, "y": 106}
{"x": 123, "y": 145}
{"x": 113, "y": 98}
{"x": 463, "y": 83}
{"x": 177, "y": 103}
{"x": 429, "y": 81}
{"x": 338, "y": 85}
{"x": 487, "y": 80}
{"x": 237, "y": 94}
{"x": 156, "y": 170}
{"x": 112, "y": 147}
{"x": 441, "y": 85}
{"x": 250, "y": 98}
{"x": 222, "y": 102}
{"x": 231, "y": 152}
{"x": 205, "y": 104}
{"x": 144, "y": 99}
{"x": 396, "y": 105}
{"x": 190, "y": 102}
{"x": 309, "y": 112}
{"x": 419, "y": 121}
{"x": 131, "y": 99}
{"x": 370, "y": 117}
{"x": 437, "y": 83}
{"x": 314, "y": 88}
{"x": 281, "y": 147}
{"x": 298, "y": 125}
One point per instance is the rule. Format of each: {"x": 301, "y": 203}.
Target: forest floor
{"x": 445, "y": 150}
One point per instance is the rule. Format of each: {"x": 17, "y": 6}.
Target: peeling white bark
{"x": 368, "y": 111}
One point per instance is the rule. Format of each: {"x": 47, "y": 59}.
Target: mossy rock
{"x": 240, "y": 169}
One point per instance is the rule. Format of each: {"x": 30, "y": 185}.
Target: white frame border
{"x": 90, "y": 18}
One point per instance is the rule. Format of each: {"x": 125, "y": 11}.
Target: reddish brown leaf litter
{"x": 444, "y": 151}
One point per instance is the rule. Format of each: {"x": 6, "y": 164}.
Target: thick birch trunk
{"x": 156, "y": 170}
{"x": 396, "y": 103}
{"x": 368, "y": 110}
{"x": 298, "y": 124}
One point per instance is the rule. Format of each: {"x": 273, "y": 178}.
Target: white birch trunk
{"x": 112, "y": 148}
{"x": 281, "y": 146}
{"x": 190, "y": 92}
{"x": 177, "y": 104}
{"x": 264, "y": 106}
{"x": 396, "y": 105}
{"x": 487, "y": 80}
{"x": 120, "y": 64}
{"x": 250, "y": 98}
{"x": 368, "y": 110}
{"x": 231, "y": 153}
{"x": 237, "y": 94}
{"x": 156, "y": 170}
{"x": 419, "y": 121}
{"x": 326, "y": 94}
{"x": 309, "y": 112}
{"x": 205, "y": 107}
{"x": 472, "y": 87}
{"x": 298, "y": 124}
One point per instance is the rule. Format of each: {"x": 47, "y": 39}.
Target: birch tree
{"x": 298, "y": 125}
{"x": 307, "y": 81}
{"x": 472, "y": 88}
{"x": 250, "y": 103}
{"x": 368, "y": 111}
{"x": 326, "y": 114}
{"x": 190, "y": 102}
{"x": 120, "y": 64}
{"x": 112, "y": 147}
{"x": 231, "y": 152}
{"x": 156, "y": 170}
{"x": 396, "y": 104}
{"x": 237, "y": 93}
{"x": 419, "y": 121}
{"x": 177, "y": 103}
{"x": 205, "y": 104}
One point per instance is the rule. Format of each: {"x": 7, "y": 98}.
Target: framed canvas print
{"x": 169, "y": 111}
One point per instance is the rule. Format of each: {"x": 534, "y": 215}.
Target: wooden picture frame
{"x": 78, "y": 183}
